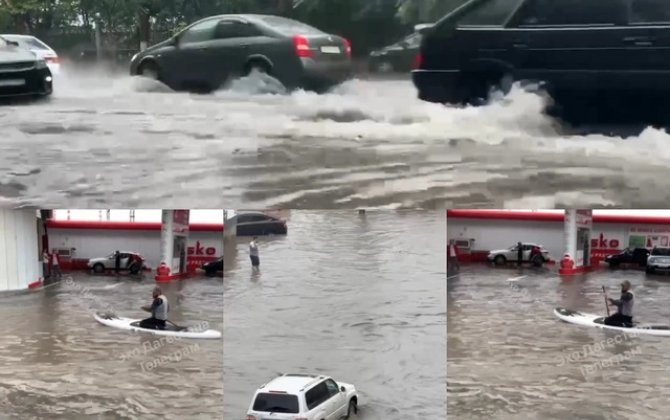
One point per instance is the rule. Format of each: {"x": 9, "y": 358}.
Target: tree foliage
{"x": 369, "y": 23}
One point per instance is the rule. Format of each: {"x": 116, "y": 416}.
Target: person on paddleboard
{"x": 159, "y": 311}
{"x": 623, "y": 317}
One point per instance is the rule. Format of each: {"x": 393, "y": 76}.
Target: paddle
{"x": 179, "y": 327}
{"x": 606, "y": 305}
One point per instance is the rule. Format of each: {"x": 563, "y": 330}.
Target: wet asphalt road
{"x": 57, "y": 362}
{"x": 510, "y": 357}
{"x": 115, "y": 141}
{"x": 362, "y": 299}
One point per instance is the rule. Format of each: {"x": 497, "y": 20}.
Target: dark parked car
{"x": 211, "y": 268}
{"x": 576, "y": 48}
{"x": 22, "y": 73}
{"x": 214, "y": 50}
{"x": 258, "y": 224}
{"x": 398, "y": 57}
{"x": 636, "y": 256}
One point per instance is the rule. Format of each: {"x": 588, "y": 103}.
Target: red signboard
{"x": 180, "y": 221}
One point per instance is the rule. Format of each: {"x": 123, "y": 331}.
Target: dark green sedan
{"x": 217, "y": 49}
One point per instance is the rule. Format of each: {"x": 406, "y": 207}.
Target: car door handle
{"x": 641, "y": 41}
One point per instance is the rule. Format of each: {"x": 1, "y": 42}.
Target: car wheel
{"x": 483, "y": 84}
{"x": 256, "y": 66}
{"x": 500, "y": 260}
{"x": 98, "y": 268}
{"x": 353, "y": 408}
{"x": 148, "y": 70}
{"x": 650, "y": 270}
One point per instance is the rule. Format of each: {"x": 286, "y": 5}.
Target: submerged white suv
{"x": 303, "y": 397}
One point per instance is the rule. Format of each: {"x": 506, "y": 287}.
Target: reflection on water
{"x": 57, "y": 362}
{"x": 509, "y": 357}
{"x": 358, "y": 297}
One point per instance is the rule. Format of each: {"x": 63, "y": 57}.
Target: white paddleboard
{"x": 598, "y": 321}
{"x": 170, "y": 330}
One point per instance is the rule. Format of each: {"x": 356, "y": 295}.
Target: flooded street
{"x": 361, "y": 298}
{"x": 113, "y": 139}
{"x": 510, "y": 357}
{"x": 57, "y": 362}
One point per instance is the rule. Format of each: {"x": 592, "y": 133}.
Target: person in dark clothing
{"x": 519, "y": 254}
{"x": 536, "y": 256}
{"x": 117, "y": 262}
{"x": 623, "y": 317}
{"x": 159, "y": 311}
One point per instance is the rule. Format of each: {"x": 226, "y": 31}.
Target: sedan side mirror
{"x": 343, "y": 389}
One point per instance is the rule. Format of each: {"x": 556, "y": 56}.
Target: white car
{"x": 502, "y": 256}
{"x": 303, "y": 397}
{"x": 658, "y": 260}
{"x": 39, "y": 48}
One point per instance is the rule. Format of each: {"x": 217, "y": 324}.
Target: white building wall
{"x": 19, "y": 249}
{"x": 99, "y": 243}
{"x": 496, "y": 234}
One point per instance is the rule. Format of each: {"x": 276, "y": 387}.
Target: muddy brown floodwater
{"x": 360, "y": 298}
{"x": 57, "y": 362}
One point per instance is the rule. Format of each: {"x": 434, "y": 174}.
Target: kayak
{"x": 598, "y": 321}
{"x": 170, "y": 330}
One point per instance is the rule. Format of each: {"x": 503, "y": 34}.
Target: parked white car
{"x": 501, "y": 256}
{"x": 39, "y": 48}
{"x": 303, "y": 397}
{"x": 102, "y": 264}
{"x": 658, "y": 260}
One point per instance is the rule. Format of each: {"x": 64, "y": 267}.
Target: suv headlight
{"x": 41, "y": 64}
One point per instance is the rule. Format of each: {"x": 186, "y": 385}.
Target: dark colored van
{"x": 572, "y": 47}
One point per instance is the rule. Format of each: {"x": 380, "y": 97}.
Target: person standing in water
{"x": 46, "y": 264}
{"x": 623, "y": 317}
{"x": 519, "y": 254}
{"x": 453, "y": 256}
{"x": 253, "y": 253}
{"x": 55, "y": 266}
{"x": 159, "y": 309}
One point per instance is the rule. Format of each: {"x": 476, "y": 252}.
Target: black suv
{"x": 586, "y": 48}
{"x": 628, "y": 256}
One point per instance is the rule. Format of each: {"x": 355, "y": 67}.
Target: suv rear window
{"x": 29, "y": 43}
{"x": 490, "y": 13}
{"x": 573, "y": 12}
{"x": 277, "y": 403}
{"x": 660, "y": 251}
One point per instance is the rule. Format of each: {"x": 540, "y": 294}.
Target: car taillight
{"x": 301, "y": 45}
{"x": 250, "y": 417}
{"x": 418, "y": 60}
{"x": 347, "y": 47}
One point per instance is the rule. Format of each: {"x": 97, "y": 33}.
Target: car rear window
{"x": 29, "y": 43}
{"x": 276, "y": 403}
{"x": 490, "y": 13}
{"x": 289, "y": 26}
